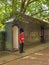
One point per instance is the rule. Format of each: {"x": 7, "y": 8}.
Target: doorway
{"x": 42, "y": 34}
{"x": 15, "y": 37}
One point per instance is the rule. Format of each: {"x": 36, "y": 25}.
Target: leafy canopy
{"x": 35, "y": 8}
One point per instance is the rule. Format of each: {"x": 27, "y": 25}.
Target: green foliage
{"x": 5, "y": 10}
{"x": 10, "y": 8}
{"x": 2, "y": 27}
{"x": 33, "y": 8}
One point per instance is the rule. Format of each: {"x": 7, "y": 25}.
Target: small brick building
{"x": 35, "y": 31}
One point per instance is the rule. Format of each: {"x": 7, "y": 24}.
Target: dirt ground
{"x": 38, "y": 58}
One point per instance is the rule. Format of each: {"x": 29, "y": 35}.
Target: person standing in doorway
{"x": 21, "y": 40}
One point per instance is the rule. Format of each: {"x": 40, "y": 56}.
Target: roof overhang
{"x": 29, "y": 19}
{"x": 10, "y": 20}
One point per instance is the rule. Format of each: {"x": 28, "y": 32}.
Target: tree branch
{"x": 28, "y": 3}
{"x": 22, "y": 5}
{"x": 32, "y": 1}
{"x": 26, "y": 6}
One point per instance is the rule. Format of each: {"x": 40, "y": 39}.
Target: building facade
{"x": 35, "y": 32}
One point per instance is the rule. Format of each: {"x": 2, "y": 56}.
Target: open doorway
{"x": 15, "y": 37}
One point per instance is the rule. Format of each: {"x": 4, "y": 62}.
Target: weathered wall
{"x": 32, "y": 32}
{"x": 8, "y": 36}
{"x": 46, "y": 34}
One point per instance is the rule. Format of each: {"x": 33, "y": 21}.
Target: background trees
{"x": 35, "y": 8}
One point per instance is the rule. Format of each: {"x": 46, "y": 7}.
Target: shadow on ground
{"x": 26, "y": 47}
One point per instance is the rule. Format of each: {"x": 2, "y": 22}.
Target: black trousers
{"x": 21, "y": 46}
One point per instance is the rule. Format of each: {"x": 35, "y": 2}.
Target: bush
{"x": 2, "y": 40}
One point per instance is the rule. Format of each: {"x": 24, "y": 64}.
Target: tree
{"x": 35, "y": 8}
{"x": 5, "y": 10}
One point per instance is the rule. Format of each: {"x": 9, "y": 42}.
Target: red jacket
{"x": 21, "y": 38}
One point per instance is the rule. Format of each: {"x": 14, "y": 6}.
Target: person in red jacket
{"x": 21, "y": 40}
